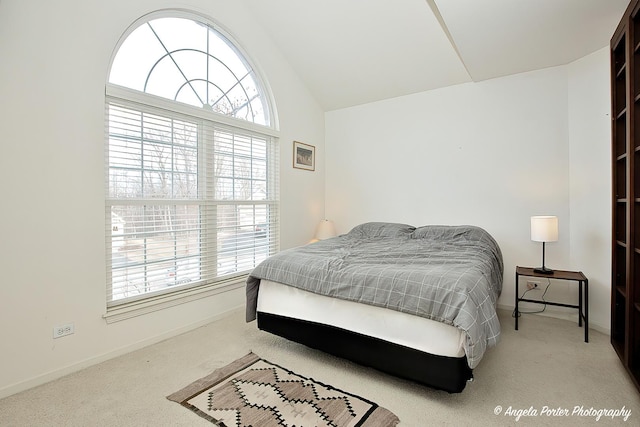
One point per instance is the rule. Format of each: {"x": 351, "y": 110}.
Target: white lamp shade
{"x": 325, "y": 230}
{"x": 544, "y": 228}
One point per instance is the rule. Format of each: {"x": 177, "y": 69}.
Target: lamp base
{"x": 543, "y": 270}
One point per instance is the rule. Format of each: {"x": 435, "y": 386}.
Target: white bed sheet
{"x": 400, "y": 328}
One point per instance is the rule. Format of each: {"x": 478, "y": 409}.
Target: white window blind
{"x": 190, "y": 201}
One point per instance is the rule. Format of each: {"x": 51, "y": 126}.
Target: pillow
{"x": 447, "y": 232}
{"x": 381, "y": 229}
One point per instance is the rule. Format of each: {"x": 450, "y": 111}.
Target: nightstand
{"x": 583, "y": 290}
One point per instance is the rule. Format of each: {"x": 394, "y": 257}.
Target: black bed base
{"x": 445, "y": 373}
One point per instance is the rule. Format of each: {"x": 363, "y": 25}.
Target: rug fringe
{"x": 216, "y": 376}
{"x": 382, "y": 417}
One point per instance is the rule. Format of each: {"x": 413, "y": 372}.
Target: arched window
{"x": 192, "y": 162}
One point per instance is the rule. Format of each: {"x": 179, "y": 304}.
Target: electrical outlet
{"x": 532, "y": 285}
{"x": 63, "y": 330}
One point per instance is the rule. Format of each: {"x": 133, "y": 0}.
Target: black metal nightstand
{"x": 577, "y": 276}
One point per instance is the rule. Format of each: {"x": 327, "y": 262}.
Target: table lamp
{"x": 325, "y": 230}
{"x": 544, "y": 229}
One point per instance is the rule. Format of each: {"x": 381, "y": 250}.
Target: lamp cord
{"x": 520, "y": 312}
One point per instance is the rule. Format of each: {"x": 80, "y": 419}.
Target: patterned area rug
{"x": 254, "y": 392}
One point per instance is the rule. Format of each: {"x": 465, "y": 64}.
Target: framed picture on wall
{"x": 304, "y": 156}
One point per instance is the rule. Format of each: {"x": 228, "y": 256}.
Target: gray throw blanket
{"x": 451, "y": 274}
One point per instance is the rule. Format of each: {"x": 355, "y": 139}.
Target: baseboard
{"x": 563, "y": 314}
{"x": 75, "y": 367}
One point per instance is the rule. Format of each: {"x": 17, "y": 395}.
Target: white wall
{"x": 491, "y": 154}
{"x": 53, "y": 70}
{"x": 590, "y": 178}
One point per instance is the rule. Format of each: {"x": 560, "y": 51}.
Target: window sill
{"x": 160, "y": 302}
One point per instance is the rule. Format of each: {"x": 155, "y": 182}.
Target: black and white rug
{"x": 253, "y": 392}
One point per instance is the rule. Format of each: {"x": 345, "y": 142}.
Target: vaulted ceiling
{"x": 351, "y": 52}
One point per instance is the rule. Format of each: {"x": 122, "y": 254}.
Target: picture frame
{"x": 304, "y": 156}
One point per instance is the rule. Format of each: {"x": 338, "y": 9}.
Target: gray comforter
{"x": 452, "y": 274}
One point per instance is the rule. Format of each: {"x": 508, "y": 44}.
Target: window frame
{"x": 131, "y": 97}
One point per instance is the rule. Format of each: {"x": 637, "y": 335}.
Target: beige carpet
{"x": 544, "y": 364}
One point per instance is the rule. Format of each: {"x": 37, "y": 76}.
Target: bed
{"x": 415, "y": 302}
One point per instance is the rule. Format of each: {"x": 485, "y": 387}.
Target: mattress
{"x": 393, "y": 326}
